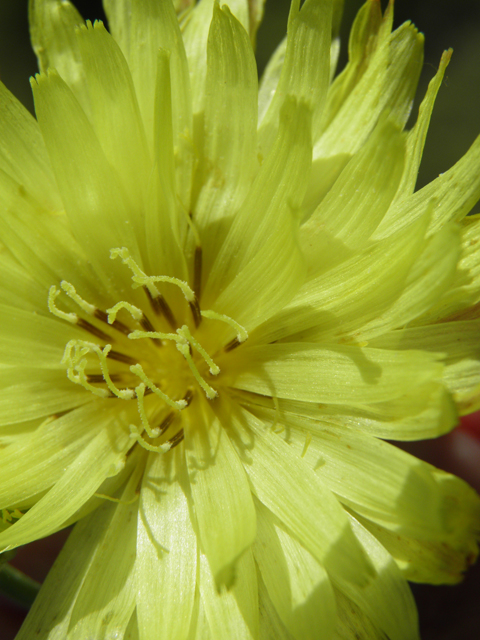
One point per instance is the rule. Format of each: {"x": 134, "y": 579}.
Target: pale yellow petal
{"x": 331, "y": 373}
{"x": 304, "y": 505}
{"x": 297, "y": 584}
{"x": 52, "y": 30}
{"x": 353, "y": 208}
{"x": 231, "y": 613}
{"x": 166, "y": 562}
{"x": 23, "y": 155}
{"x": 305, "y": 70}
{"x": 97, "y": 206}
{"x": 106, "y": 600}
{"x": 229, "y": 143}
{"x": 387, "y": 599}
{"x": 260, "y": 264}
{"x": 101, "y": 457}
{"x": 223, "y": 503}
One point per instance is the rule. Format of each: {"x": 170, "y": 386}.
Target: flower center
{"x": 133, "y": 362}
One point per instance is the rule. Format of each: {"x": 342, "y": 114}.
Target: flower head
{"x": 217, "y": 302}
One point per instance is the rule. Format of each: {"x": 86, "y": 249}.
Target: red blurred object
{"x": 471, "y": 424}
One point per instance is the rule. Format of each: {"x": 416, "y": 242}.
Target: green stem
{"x": 19, "y": 587}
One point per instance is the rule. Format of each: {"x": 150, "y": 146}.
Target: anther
{"x": 116, "y": 324}
{"x": 146, "y": 324}
{"x": 161, "y": 308}
{"x": 177, "y": 438}
{"x": 196, "y": 313}
{"x": 98, "y": 377}
{"x": 188, "y": 397}
{"x": 120, "y": 357}
{"x": 87, "y": 326}
{"x": 166, "y": 422}
{"x": 233, "y": 344}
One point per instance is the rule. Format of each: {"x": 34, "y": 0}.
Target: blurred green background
{"x": 456, "y": 119}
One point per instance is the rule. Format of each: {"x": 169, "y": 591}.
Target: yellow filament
{"x": 161, "y": 448}
{"x": 72, "y": 293}
{"x": 53, "y": 294}
{"x": 184, "y": 332}
{"x": 176, "y": 404}
{"x": 134, "y": 311}
{"x": 140, "y": 391}
{"x": 242, "y": 334}
{"x": 185, "y": 351}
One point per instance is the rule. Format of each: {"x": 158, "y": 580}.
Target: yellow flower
{"x": 217, "y": 301}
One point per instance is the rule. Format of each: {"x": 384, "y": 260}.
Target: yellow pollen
{"x": 53, "y": 294}
{"x": 134, "y": 311}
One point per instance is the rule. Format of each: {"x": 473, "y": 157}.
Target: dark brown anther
{"x": 120, "y": 357}
{"x": 146, "y": 324}
{"x": 166, "y": 422}
{"x": 188, "y": 397}
{"x": 116, "y": 324}
{"x": 84, "y": 324}
{"x": 233, "y": 344}
{"x": 195, "y": 309}
{"x": 98, "y": 377}
{"x": 177, "y": 438}
{"x": 197, "y": 272}
{"x": 161, "y": 308}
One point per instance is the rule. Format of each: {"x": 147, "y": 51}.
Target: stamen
{"x": 53, "y": 294}
{"x": 185, "y": 351}
{"x": 166, "y": 422}
{"x": 116, "y": 324}
{"x": 188, "y": 397}
{"x": 196, "y": 313}
{"x": 120, "y": 357}
{"x": 135, "y": 312}
{"x": 176, "y": 404}
{"x": 87, "y": 326}
{"x": 98, "y": 377}
{"x": 146, "y": 324}
{"x": 72, "y": 293}
{"x": 140, "y": 391}
{"x": 136, "y": 435}
{"x": 177, "y": 438}
{"x": 242, "y": 334}
{"x": 185, "y": 332}
{"x": 160, "y": 306}
{"x": 230, "y": 346}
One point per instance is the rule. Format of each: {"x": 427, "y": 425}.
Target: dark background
{"x": 446, "y": 613}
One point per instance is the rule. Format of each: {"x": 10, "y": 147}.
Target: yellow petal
{"x": 166, "y": 561}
